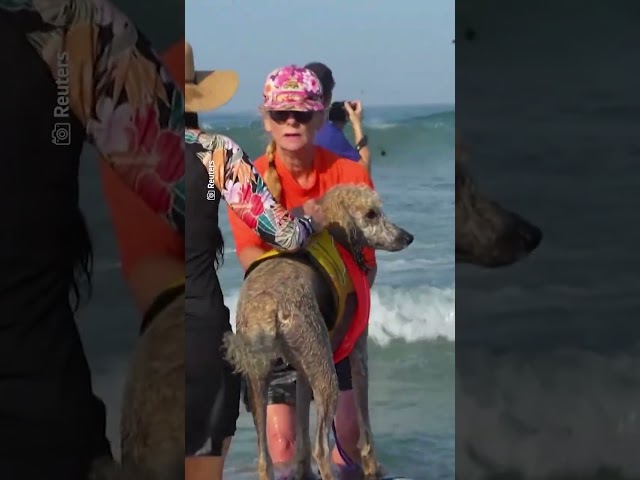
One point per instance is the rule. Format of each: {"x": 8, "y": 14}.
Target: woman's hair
{"x": 271, "y": 177}
{"x": 191, "y": 120}
{"x": 218, "y": 241}
{"x": 325, "y": 75}
{"x": 81, "y": 253}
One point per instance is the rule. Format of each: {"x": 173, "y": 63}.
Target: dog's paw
{"x": 291, "y": 473}
{"x": 378, "y": 475}
{"x": 303, "y": 473}
{"x": 353, "y": 472}
{"x": 375, "y": 472}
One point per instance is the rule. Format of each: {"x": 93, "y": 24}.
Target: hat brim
{"x": 212, "y": 90}
{"x": 306, "y": 106}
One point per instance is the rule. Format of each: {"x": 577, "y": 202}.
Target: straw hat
{"x": 206, "y": 90}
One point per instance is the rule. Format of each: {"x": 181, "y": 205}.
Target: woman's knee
{"x": 212, "y": 407}
{"x": 281, "y": 432}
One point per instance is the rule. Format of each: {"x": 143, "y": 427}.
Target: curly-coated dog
{"x": 280, "y": 315}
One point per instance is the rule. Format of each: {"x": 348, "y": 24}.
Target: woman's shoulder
{"x": 345, "y": 167}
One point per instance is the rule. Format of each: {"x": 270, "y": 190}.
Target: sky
{"x": 379, "y": 54}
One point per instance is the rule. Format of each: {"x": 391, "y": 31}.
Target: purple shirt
{"x": 332, "y": 138}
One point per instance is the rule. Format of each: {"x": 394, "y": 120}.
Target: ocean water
{"x": 548, "y": 350}
{"x": 413, "y": 316}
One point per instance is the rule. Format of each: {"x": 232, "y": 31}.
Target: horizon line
{"x": 388, "y": 105}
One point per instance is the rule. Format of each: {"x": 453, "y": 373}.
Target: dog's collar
{"x": 161, "y": 302}
{"x": 358, "y": 256}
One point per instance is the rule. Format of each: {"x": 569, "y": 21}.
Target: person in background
{"x": 331, "y": 135}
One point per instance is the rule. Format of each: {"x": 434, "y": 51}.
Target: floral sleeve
{"x": 118, "y": 89}
{"x": 245, "y": 192}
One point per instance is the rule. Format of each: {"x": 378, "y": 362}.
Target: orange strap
{"x": 363, "y": 307}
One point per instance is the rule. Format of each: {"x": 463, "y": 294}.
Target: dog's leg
{"x": 311, "y": 356}
{"x": 360, "y": 380}
{"x": 303, "y": 442}
{"x": 325, "y": 393}
{"x": 258, "y": 387}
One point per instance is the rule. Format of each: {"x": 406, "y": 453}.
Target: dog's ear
{"x": 352, "y": 232}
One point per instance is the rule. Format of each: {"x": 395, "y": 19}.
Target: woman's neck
{"x": 299, "y": 163}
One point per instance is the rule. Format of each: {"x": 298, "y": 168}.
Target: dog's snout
{"x": 531, "y": 237}
{"x": 408, "y": 238}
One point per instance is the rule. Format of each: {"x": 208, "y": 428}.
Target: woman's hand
{"x": 355, "y": 114}
{"x": 313, "y": 210}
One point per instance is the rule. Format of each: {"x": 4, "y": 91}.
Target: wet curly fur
{"x": 487, "y": 234}
{"x": 152, "y": 420}
{"x": 279, "y": 314}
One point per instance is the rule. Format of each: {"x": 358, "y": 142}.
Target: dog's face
{"x": 486, "y": 234}
{"x": 354, "y": 216}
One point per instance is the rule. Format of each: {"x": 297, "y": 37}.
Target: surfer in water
{"x": 331, "y": 135}
{"x": 296, "y": 170}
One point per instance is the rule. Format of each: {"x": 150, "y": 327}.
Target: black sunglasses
{"x": 281, "y": 116}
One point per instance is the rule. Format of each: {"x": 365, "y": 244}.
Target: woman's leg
{"x": 212, "y": 399}
{"x": 281, "y": 426}
{"x": 281, "y": 433}
{"x": 281, "y": 414}
{"x": 47, "y": 405}
{"x": 207, "y": 468}
{"x": 346, "y": 420}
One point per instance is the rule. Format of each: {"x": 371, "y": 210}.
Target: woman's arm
{"x": 132, "y": 112}
{"x": 248, "y": 197}
{"x": 117, "y": 87}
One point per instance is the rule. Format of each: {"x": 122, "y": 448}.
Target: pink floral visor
{"x": 293, "y": 88}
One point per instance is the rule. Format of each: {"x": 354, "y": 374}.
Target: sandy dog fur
{"x": 152, "y": 419}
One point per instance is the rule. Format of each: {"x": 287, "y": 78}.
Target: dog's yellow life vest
{"x": 322, "y": 251}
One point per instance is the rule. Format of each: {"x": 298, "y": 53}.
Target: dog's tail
{"x": 253, "y": 353}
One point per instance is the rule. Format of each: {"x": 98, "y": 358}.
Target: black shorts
{"x": 282, "y": 389}
{"x": 51, "y": 423}
{"x": 212, "y": 389}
